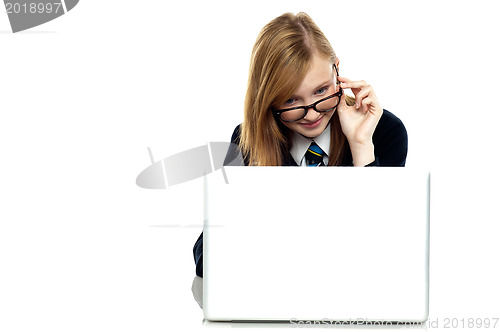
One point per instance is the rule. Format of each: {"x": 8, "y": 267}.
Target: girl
{"x": 296, "y": 112}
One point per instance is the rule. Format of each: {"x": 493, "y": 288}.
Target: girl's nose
{"x": 311, "y": 115}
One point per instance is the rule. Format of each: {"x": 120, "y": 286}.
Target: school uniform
{"x": 390, "y": 141}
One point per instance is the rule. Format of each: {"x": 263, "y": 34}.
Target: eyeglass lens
{"x": 323, "y": 106}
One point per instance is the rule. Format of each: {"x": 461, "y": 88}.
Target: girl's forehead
{"x": 320, "y": 72}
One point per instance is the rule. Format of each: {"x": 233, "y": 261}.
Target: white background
{"x": 82, "y": 97}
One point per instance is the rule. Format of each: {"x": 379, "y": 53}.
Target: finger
{"x": 371, "y": 105}
{"x": 343, "y": 82}
{"x": 343, "y": 79}
{"x": 367, "y": 104}
{"x": 348, "y": 84}
{"x": 363, "y": 93}
{"x": 343, "y": 104}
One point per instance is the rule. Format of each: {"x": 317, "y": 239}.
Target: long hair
{"x": 280, "y": 60}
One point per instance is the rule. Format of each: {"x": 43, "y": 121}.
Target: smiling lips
{"x": 313, "y": 124}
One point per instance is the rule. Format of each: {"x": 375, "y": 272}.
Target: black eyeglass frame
{"x": 313, "y": 105}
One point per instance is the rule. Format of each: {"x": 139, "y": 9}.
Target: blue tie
{"x": 314, "y": 155}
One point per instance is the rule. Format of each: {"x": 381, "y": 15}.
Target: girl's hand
{"x": 359, "y": 121}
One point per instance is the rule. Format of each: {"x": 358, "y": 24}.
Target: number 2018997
{"x": 32, "y": 8}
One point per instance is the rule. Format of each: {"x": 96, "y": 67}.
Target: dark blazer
{"x": 390, "y": 141}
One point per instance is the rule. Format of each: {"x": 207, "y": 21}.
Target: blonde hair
{"x": 280, "y": 60}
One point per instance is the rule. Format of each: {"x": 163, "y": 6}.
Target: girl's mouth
{"x": 313, "y": 124}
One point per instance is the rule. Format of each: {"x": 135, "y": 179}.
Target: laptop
{"x": 334, "y": 244}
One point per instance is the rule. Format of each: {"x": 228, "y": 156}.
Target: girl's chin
{"x": 311, "y": 133}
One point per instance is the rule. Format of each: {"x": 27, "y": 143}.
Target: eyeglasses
{"x": 321, "y": 106}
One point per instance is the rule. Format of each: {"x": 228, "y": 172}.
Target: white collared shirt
{"x": 300, "y": 144}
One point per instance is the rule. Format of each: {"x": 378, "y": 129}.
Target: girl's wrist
{"x": 362, "y": 153}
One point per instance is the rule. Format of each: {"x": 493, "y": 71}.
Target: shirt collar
{"x": 300, "y": 144}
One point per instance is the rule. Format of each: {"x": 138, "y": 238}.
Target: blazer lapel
{"x": 288, "y": 160}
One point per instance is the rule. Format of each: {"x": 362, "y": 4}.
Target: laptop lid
{"x": 304, "y": 243}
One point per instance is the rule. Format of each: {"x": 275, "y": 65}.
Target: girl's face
{"x": 319, "y": 82}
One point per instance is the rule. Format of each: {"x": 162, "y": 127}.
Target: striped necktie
{"x": 314, "y": 155}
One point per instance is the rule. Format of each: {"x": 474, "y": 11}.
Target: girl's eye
{"x": 320, "y": 91}
{"x": 290, "y": 101}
